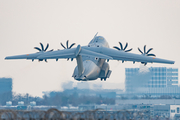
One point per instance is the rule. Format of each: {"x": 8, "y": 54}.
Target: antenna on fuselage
{"x": 95, "y": 37}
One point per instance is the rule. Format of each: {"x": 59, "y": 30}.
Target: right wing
{"x": 60, "y": 54}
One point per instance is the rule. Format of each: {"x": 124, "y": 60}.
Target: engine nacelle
{"x": 105, "y": 72}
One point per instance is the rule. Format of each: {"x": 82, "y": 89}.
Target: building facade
{"x": 153, "y": 80}
{"x": 5, "y": 90}
{"x": 5, "y": 85}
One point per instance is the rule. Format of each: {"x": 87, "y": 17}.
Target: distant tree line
{"x": 58, "y": 99}
{"x": 62, "y": 99}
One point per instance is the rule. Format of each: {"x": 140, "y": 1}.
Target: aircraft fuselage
{"x": 93, "y": 68}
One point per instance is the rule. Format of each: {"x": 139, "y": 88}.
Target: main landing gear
{"x": 103, "y": 78}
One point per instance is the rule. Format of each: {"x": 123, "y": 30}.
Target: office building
{"x": 5, "y": 85}
{"x": 152, "y": 81}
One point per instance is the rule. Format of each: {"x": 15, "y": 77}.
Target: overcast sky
{"x": 23, "y": 24}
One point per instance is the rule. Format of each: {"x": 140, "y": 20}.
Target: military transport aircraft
{"x": 92, "y": 59}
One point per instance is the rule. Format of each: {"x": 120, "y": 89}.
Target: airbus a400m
{"x": 92, "y": 60}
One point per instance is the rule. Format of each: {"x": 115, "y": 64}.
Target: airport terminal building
{"x": 154, "y": 81}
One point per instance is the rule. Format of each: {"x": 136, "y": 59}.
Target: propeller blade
{"x": 50, "y": 50}
{"x": 128, "y": 50}
{"x": 72, "y": 45}
{"x": 46, "y": 47}
{"x": 117, "y": 48}
{"x": 151, "y": 55}
{"x": 140, "y": 51}
{"x": 37, "y": 48}
{"x": 149, "y": 50}
{"x": 42, "y": 46}
{"x": 121, "y": 45}
{"x": 126, "y": 46}
{"x": 144, "y": 49}
{"x": 63, "y": 46}
{"x": 67, "y": 44}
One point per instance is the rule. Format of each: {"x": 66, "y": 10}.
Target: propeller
{"x": 67, "y": 43}
{"x": 122, "y": 49}
{"x": 42, "y": 50}
{"x": 146, "y": 53}
{"x": 68, "y": 47}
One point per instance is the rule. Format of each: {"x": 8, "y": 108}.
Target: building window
{"x": 172, "y": 111}
{"x": 177, "y": 109}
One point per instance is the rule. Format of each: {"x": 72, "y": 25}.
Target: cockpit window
{"x": 98, "y": 41}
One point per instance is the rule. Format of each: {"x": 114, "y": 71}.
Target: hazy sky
{"x": 23, "y": 24}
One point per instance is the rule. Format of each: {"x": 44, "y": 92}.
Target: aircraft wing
{"x": 125, "y": 56}
{"x": 72, "y": 53}
{"x": 104, "y": 53}
{"x": 60, "y": 54}
{"x": 25, "y": 56}
{"x": 99, "y": 52}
